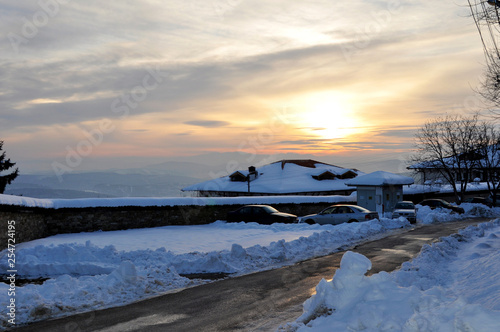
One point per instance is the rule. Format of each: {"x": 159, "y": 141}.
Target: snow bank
{"x": 167, "y": 201}
{"x": 86, "y": 276}
{"x": 426, "y": 215}
{"x": 452, "y": 285}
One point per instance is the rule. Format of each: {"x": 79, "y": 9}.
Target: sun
{"x": 329, "y": 116}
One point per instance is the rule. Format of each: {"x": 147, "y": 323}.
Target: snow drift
{"x": 452, "y": 285}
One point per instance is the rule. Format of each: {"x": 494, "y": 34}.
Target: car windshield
{"x": 404, "y": 205}
{"x": 269, "y": 209}
{"x": 327, "y": 210}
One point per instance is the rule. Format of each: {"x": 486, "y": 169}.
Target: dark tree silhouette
{"x": 6, "y": 164}
{"x": 489, "y": 149}
{"x": 449, "y": 145}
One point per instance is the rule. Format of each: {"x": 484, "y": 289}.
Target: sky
{"x": 90, "y": 84}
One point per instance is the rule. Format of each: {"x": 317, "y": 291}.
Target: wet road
{"x": 256, "y": 302}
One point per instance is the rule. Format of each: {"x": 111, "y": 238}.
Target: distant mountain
{"x": 392, "y": 165}
{"x": 123, "y": 183}
{"x": 53, "y": 193}
{"x": 166, "y": 179}
{"x": 158, "y": 180}
{"x": 177, "y": 168}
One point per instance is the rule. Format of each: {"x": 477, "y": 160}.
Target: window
{"x": 328, "y": 210}
{"x": 269, "y": 209}
{"x": 246, "y": 210}
{"x": 344, "y": 209}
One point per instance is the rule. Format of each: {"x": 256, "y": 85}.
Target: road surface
{"x": 255, "y": 302}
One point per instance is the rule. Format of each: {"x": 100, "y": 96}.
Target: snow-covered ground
{"x": 90, "y": 271}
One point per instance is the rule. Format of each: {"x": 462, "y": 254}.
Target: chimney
{"x": 252, "y": 173}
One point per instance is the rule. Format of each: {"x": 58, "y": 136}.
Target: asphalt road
{"x": 255, "y": 302}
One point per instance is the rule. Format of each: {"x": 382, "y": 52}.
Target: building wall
{"x": 380, "y": 199}
{"x": 424, "y": 175}
{"x": 366, "y": 198}
{"x": 390, "y": 196}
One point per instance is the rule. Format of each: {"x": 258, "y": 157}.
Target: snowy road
{"x": 256, "y": 302}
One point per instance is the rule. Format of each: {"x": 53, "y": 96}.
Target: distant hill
{"x": 121, "y": 183}
{"x": 166, "y": 179}
{"x": 54, "y": 193}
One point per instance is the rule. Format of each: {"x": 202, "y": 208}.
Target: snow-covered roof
{"x": 284, "y": 177}
{"x": 380, "y": 178}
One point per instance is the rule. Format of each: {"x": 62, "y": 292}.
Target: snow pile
{"x": 426, "y": 215}
{"x": 85, "y": 275}
{"x": 480, "y": 210}
{"x": 452, "y": 285}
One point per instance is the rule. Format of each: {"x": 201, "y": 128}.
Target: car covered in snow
{"x": 405, "y": 209}
{"x": 435, "y": 203}
{"x": 338, "y": 214}
{"x": 262, "y": 214}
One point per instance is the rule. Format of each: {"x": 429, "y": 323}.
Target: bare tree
{"x": 489, "y": 163}
{"x": 448, "y": 145}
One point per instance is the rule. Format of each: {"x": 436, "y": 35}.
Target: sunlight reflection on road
{"x": 152, "y": 320}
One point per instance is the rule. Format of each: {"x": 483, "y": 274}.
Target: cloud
{"x": 138, "y": 130}
{"x": 267, "y": 75}
{"x": 402, "y": 132}
{"x": 208, "y": 123}
{"x": 231, "y": 60}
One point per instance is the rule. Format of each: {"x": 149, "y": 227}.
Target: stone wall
{"x": 35, "y": 223}
{"x": 29, "y": 225}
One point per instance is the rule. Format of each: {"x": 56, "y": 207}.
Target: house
{"x": 380, "y": 191}
{"x": 284, "y": 177}
{"x": 479, "y": 164}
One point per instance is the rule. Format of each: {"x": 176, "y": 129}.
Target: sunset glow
{"x": 329, "y": 116}
{"x": 180, "y": 79}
